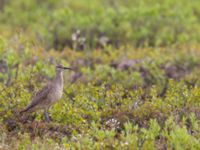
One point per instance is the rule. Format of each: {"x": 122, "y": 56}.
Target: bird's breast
{"x": 56, "y": 93}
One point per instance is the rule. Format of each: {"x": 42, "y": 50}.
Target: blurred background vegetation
{"x": 102, "y": 22}
{"x": 136, "y": 81}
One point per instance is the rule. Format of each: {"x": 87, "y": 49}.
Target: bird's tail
{"x": 22, "y": 111}
{"x": 25, "y": 110}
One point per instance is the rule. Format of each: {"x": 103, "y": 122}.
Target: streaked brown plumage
{"x": 48, "y": 95}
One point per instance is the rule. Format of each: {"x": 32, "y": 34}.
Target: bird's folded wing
{"x": 39, "y": 97}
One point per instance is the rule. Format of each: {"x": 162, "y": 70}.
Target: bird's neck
{"x": 59, "y": 78}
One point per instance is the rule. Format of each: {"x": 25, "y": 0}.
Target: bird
{"x": 48, "y": 95}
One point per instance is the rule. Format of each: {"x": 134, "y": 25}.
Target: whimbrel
{"x": 48, "y": 95}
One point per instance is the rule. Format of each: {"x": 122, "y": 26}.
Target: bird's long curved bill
{"x": 61, "y": 67}
{"x": 67, "y": 68}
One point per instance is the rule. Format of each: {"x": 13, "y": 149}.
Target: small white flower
{"x": 113, "y": 123}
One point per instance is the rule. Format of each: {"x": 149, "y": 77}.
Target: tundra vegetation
{"x": 136, "y": 80}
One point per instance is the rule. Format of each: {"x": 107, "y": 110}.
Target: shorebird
{"x": 47, "y": 96}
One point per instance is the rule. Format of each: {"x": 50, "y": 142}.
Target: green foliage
{"x": 178, "y": 137}
{"x": 118, "y": 97}
{"x": 111, "y": 102}
{"x": 143, "y": 23}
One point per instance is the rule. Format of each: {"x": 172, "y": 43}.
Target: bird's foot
{"x": 47, "y": 118}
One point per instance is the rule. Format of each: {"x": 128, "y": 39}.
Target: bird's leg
{"x": 46, "y": 114}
